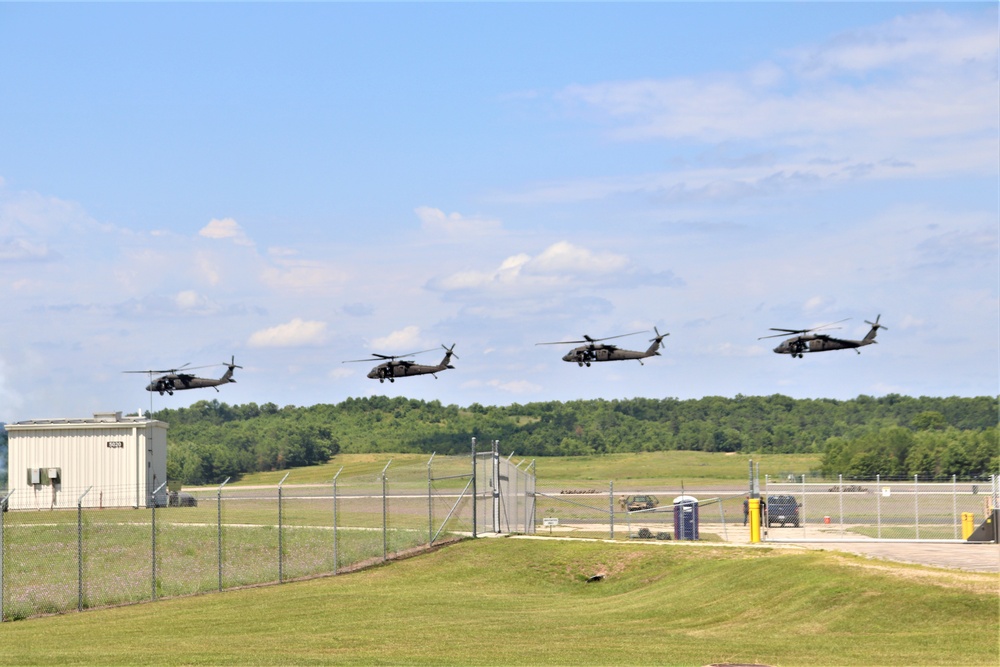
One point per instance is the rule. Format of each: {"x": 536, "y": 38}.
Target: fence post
{"x": 496, "y": 485}
{"x": 385, "y": 513}
{"x": 219, "y": 530}
{"x": 995, "y": 487}
{"x": 474, "y": 499}
{"x": 430, "y": 502}
{"x": 765, "y": 523}
{"x": 722, "y": 518}
{"x": 878, "y": 505}
{"x": 79, "y": 550}
{"x": 954, "y": 506}
{"x": 281, "y": 544}
{"x": 534, "y": 496}
{"x": 3, "y": 505}
{"x": 611, "y": 506}
{"x": 153, "y": 505}
{"x": 803, "y": 514}
{"x": 336, "y": 555}
{"x": 840, "y": 496}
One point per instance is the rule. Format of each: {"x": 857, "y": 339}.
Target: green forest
{"x": 891, "y": 435}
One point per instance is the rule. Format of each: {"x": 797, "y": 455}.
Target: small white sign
{"x": 886, "y": 491}
{"x": 550, "y": 521}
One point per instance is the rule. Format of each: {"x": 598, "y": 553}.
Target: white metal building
{"x": 53, "y": 462}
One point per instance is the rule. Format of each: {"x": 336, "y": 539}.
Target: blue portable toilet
{"x": 685, "y": 518}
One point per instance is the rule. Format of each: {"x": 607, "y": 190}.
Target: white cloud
{"x": 564, "y": 257}
{"x": 297, "y": 333}
{"x": 21, "y": 250}
{"x": 561, "y": 265}
{"x": 190, "y": 301}
{"x": 303, "y": 275}
{"x": 930, "y": 75}
{"x": 913, "y": 97}
{"x": 818, "y": 303}
{"x": 922, "y": 41}
{"x": 226, "y": 228}
{"x": 436, "y": 220}
{"x": 406, "y": 337}
{"x": 340, "y": 373}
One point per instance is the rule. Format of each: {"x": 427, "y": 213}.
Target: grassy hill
{"x": 640, "y": 470}
{"x": 527, "y": 602}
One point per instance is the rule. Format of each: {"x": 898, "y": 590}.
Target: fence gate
{"x": 505, "y": 493}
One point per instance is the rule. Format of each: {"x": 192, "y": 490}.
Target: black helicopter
{"x": 595, "y": 350}
{"x": 398, "y": 365}
{"x": 175, "y": 380}
{"x": 807, "y": 340}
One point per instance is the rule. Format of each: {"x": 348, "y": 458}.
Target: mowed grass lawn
{"x": 527, "y": 602}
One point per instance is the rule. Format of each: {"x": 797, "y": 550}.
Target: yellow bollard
{"x": 968, "y": 524}
{"x": 754, "y": 506}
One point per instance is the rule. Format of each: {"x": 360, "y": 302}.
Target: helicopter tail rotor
{"x": 874, "y": 330}
{"x": 658, "y": 337}
{"x": 876, "y": 325}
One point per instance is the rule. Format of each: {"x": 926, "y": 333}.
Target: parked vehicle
{"x": 180, "y": 499}
{"x": 636, "y": 503}
{"x": 783, "y": 510}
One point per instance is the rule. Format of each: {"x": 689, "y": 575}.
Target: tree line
{"x": 891, "y": 435}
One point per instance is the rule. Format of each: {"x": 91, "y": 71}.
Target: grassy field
{"x": 645, "y": 470}
{"x": 527, "y": 602}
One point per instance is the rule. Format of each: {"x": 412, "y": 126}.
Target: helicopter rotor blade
{"x": 634, "y": 333}
{"x": 786, "y": 332}
{"x": 388, "y": 357}
{"x": 589, "y": 339}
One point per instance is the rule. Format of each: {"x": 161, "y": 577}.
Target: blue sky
{"x": 299, "y": 185}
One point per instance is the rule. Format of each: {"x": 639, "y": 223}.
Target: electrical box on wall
{"x": 38, "y": 476}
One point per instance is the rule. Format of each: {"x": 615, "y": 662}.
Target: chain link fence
{"x": 604, "y": 514}
{"x": 208, "y": 539}
{"x": 879, "y": 509}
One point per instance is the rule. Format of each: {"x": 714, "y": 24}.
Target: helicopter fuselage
{"x": 588, "y": 354}
{"x": 171, "y": 382}
{"x": 391, "y": 370}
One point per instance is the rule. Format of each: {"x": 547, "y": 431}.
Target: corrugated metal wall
{"x": 123, "y": 462}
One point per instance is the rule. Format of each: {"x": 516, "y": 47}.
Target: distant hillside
{"x": 891, "y": 435}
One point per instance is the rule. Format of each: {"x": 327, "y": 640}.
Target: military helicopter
{"x": 807, "y": 340}
{"x": 595, "y": 350}
{"x": 397, "y": 365}
{"x": 175, "y": 380}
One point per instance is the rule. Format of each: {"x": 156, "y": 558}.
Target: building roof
{"x": 99, "y": 419}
